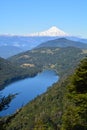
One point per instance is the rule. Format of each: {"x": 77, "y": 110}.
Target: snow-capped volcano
{"x": 53, "y": 31}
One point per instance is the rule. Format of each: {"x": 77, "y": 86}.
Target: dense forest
{"x": 75, "y": 100}
{"x": 63, "y": 60}
{"x": 10, "y": 72}
{"x": 62, "y": 107}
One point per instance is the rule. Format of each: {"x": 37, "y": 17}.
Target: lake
{"x": 28, "y": 89}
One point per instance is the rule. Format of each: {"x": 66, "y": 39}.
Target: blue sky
{"x": 28, "y": 16}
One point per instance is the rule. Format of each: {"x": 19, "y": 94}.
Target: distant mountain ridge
{"x": 13, "y": 44}
{"x": 16, "y": 44}
{"x": 63, "y": 42}
{"x": 7, "y": 51}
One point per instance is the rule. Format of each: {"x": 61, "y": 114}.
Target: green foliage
{"x": 44, "y": 112}
{"x": 80, "y": 78}
{"x": 10, "y": 72}
{"x": 75, "y": 100}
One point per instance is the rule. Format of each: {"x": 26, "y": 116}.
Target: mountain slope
{"x": 10, "y": 72}
{"x": 60, "y": 59}
{"x": 75, "y": 100}
{"x": 62, "y": 107}
{"x": 63, "y": 42}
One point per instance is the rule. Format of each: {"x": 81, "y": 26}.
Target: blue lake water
{"x": 28, "y": 89}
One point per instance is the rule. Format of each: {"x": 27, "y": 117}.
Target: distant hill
{"x": 83, "y": 40}
{"x": 11, "y": 45}
{"x": 14, "y": 44}
{"x": 63, "y": 42}
{"x": 60, "y": 59}
{"x": 8, "y": 51}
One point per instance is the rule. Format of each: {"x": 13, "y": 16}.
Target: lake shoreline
{"x": 29, "y": 88}
{"x": 15, "y": 79}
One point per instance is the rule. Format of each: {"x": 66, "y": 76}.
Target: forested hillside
{"x": 63, "y": 60}
{"x": 75, "y": 100}
{"x": 62, "y": 107}
{"x": 10, "y": 72}
{"x": 7, "y": 71}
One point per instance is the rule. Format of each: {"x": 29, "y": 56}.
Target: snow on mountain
{"x": 53, "y": 31}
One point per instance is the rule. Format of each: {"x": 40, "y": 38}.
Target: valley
{"x": 50, "y": 109}
{"x": 63, "y": 106}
